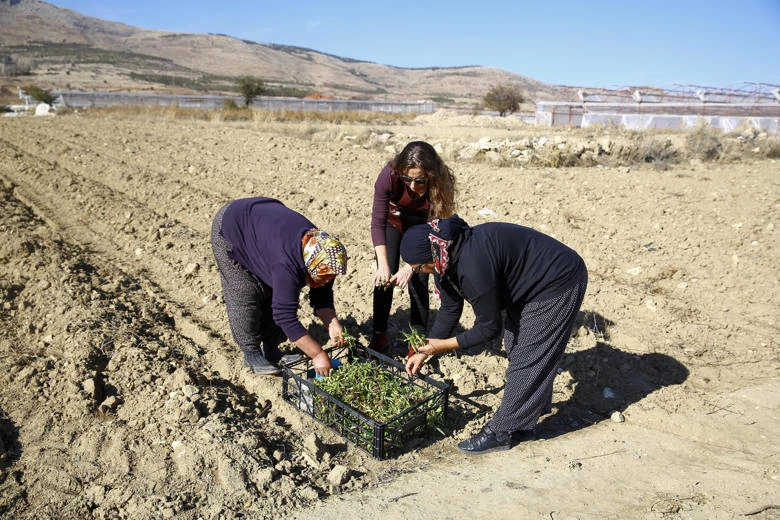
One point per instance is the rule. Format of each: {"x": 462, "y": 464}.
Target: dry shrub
{"x": 286, "y": 116}
{"x": 7, "y": 92}
{"x": 589, "y": 159}
{"x": 644, "y": 149}
{"x": 65, "y": 110}
{"x": 229, "y": 104}
{"x": 242, "y": 114}
{"x": 573, "y": 219}
{"x": 499, "y": 161}
{"x": 228, "y": 113}
{"x": 652, "y": 282}
{"x": 771, "y": 149}
{"x": 733, "y": 150}
{"x": 169, "y": 112}
{"x": 554, "y": 158}
{"x": 704, "y": 143}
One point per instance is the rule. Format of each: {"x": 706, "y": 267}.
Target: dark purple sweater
{"x": 266, "y": 238}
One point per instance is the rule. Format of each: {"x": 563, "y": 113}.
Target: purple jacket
{"x": 266, "y": 239}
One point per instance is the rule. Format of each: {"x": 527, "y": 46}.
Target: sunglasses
{"x": 416, "y": 180}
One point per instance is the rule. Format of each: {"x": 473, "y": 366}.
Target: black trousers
{"x": 417, "y": 288}
{"x": 535, "y": 337}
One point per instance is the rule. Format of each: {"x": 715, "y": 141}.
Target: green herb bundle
{"x": 414, "y": 340}
{"x": 350, "y": 341}
{"x": 375, "y": 393}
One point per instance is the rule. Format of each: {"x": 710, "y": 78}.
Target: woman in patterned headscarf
{"x": 517, "y": 280}
{"x": 266, "y": 253}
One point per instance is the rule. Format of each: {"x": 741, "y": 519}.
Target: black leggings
{"x": 418, "y": 289}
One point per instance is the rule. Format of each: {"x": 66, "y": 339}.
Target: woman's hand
{"x": 322, "y": 364}
{"x": 382, "y": 276}
{"x": 402, "y": 277}
{"x": 336, "y": 333}
{"x": 415, "y": 362}
{"x": 435, "y": 346}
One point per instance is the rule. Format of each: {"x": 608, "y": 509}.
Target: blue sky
{"x": 608, "y": 44}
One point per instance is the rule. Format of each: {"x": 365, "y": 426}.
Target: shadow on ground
{"x": 598, "y": 381}
{"x": 604, "y": 380}
{"x": 10, "y": 451}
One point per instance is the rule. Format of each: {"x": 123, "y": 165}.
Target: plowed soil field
{"x": 122, "y": 393}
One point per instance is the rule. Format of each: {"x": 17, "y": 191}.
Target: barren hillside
{"x": 68, "y": 50}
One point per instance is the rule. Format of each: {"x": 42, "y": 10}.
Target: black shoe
{"x": 275, "y": 356}
{"x": 523, "y": 435}
{"x": 259, "y": 365}
{"x": 486, "y": 441}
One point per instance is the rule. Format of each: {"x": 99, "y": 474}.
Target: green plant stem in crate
{"x": 369, "y": 399}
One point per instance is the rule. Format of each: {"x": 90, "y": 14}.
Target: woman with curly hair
{"x": 414, "y": 187}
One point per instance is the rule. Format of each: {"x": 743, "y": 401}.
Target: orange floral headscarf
{"x": 324, "y": 255}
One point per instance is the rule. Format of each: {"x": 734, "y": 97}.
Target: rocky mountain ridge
{"x": 69, "y": 50}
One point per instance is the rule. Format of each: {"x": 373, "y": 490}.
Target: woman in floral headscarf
{"x": 266, "y": 253}
{"x": 517, "y": 280}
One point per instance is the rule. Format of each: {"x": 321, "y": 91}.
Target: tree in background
{"x": 250, "y": 87}
{"x": 39, "y": 94}
{"x": 503, "y": 99}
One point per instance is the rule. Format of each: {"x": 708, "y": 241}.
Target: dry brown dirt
{"x": 122, "y": 394}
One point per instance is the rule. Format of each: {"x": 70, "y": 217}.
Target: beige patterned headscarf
{"x": 323, "y": 255}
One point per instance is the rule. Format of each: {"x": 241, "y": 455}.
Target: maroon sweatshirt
{"x": 397, "y": 204}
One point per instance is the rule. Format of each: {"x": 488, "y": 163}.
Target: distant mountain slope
{"x": 60, "y": 43}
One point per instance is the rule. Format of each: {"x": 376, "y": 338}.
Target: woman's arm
{"x": 449, "y": 314}
{"x": 488, "y": 323}
{"x": 331, "y": 322}
{"x": 382, "y": 274}
{"x": 314, "y": 350}
{"x": 446, "y": 320}
{"x": 383, "y": 190}
{"x": 434, "y": 346}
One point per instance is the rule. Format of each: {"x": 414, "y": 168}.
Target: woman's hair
{"x": 441, "y": 180}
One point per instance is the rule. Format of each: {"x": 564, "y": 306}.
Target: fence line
{"x": 642, "y": 116}
{"x": 639, "y": 115}
{"x": 80, "y": 99}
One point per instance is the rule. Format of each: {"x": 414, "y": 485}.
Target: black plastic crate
{"x": 380, "y": 439}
